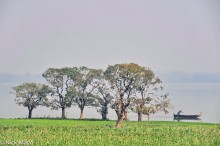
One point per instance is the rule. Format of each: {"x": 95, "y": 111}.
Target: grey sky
{"x": 164, "y": 35}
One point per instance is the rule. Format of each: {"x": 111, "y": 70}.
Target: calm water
{"x": 191, "y": 98}
{"x": 195, "y": 99}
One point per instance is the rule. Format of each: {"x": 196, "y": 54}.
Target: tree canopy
{"x": 62, "y": 82}
{"x": 88, "y": 81}
{"x": 31, "y": 95}
{"x": 123, "y": 79}
{"x": 123, "y": 87}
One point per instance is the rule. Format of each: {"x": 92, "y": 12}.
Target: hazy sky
{"x": 164, "y": 35}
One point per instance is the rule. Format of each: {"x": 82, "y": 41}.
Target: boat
{"x": 189, "y": 117}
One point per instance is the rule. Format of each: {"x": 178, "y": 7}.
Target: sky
{"x": 166, "y": 36}
{"x": 182, "y": 37}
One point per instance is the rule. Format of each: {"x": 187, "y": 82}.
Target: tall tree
{"x": 62, "y": 82}
{"x": 31, "y": 95}
{"x": 87, "y": 83}
{"x": 123, "y": 79}
{"x": 103, "y": 99}
{"x": 149, "y": 97}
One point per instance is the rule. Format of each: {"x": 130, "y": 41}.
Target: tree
{"x": 86, "y": 84}
{"x": 149, "y": 97}
{"x": 123, "y": 79}
{"x": 31, "y": 95}
{"x": 103, "y": 97}
{"x": 152, "y": 108}
{"x": 62, "y": 82}
{"x": 149, "y": 108}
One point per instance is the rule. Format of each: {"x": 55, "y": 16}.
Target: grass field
{"x": 76, "y": 132}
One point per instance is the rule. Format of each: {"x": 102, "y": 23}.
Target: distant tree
{"x": 103, "y": 99}
{"x": 161, "y": 105}
{"x": 63, "y": 82}
{"x": 87, "y": 83}
{"x": 31, "y": 95}
{"x": 149, "y": 97}
{"x": 151, "y": 106}
{"x": 123, "y": 79}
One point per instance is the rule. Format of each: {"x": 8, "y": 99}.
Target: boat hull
{"x": 186, "y": 116}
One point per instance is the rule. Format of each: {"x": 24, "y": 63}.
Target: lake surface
{"x": 196, "y": 98}
{"x": 191, "y": 98}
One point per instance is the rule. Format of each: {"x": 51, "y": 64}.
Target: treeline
{"x": 122, "y": 87}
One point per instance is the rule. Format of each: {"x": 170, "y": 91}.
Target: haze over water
{"x": 191, "y": 98}
{"x": 180, "y": 39}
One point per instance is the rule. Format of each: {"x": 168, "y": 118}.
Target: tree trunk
{"x": 139, "y": 116}
{"x": 104, "y": 116}
{"x": 30, "y": 113}
{"x": 117, "y": 113}
{"x": 120, "y": 120}
{"x": 121, "y": 117}
{"x": 126, "y": 116}
{"x": 63, "y": 113}
{"x": 122, "y": 109}
{"x": 104, "y": 112}
{"x": 81, "y": 113}
{"x": 148, "y": 118}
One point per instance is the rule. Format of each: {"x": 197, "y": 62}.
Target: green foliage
{"x": 149, "y": 97}
{"x": 122, "y": 76}
{"x": 118, "y": 87}
{"x": 83, "y": 132}
{"x": 103, "y": 96}
{"x": 123, "y": 79}
{"x": 87, "y": 83}
{"x": 31, "y": 95}
{"x": 62, "y": 82}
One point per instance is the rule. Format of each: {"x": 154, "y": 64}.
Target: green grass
{"x": 76, "y": 132}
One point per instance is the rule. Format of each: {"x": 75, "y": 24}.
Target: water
{"x": 196, "y": 98}
{"x": 191, "y": 98}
